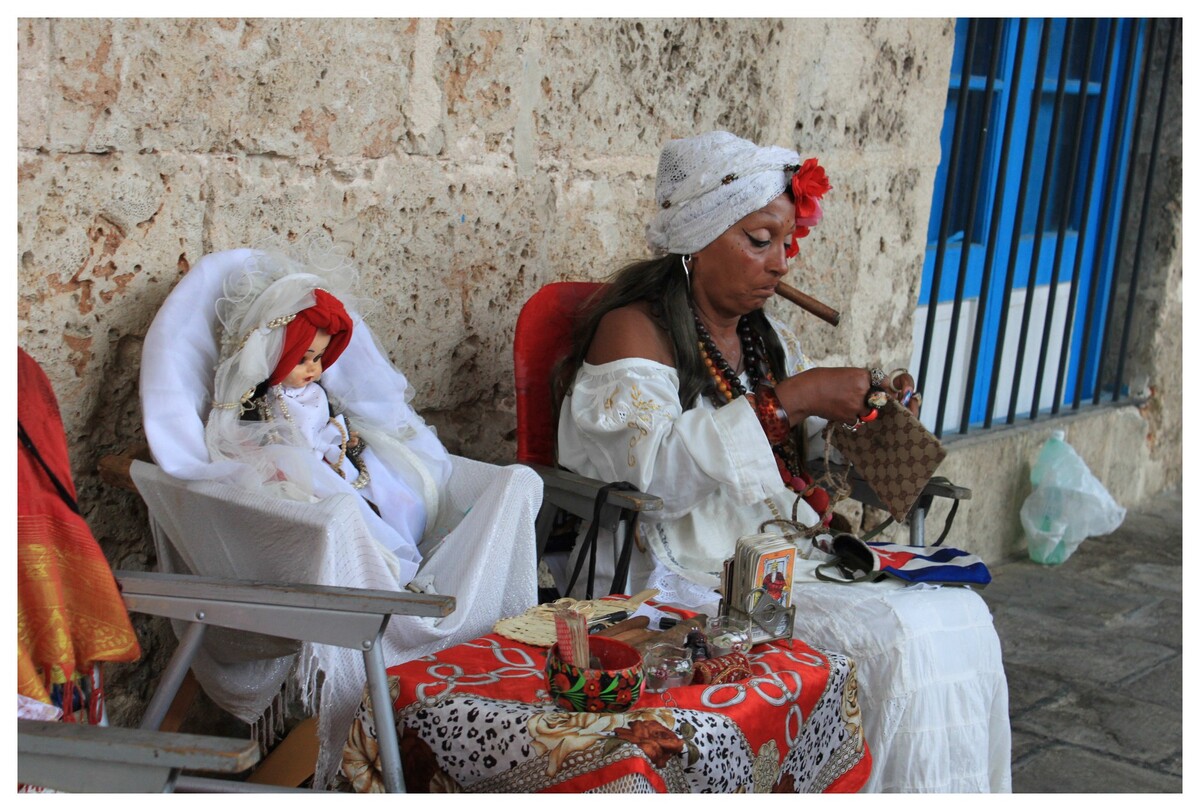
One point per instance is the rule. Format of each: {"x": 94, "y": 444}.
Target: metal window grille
{"x": 1037, "y": 234}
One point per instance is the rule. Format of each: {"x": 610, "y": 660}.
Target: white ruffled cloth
{"x": 933, "y": 690}
{"x": 223, "y": 519}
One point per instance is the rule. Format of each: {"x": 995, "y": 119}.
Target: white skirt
{"x": 932, "y": 689}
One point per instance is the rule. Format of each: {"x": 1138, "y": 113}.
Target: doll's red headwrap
{"x": 328, "y": 314}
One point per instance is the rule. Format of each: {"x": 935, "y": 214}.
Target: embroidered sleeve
{"x": 623, "y": 422}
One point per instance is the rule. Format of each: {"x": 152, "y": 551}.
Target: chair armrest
{"x": 937, "y": 487}
{"x": 333, "y": 615}
{"x": 114, "y": 467}
{"x": 944, "y": 488}
{"x": 577, "y": 494}
{"x": 77, "y": 757}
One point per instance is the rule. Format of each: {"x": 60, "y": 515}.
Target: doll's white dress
{"x": 397, "y": 503}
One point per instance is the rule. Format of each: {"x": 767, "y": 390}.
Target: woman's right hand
{"x": 838, "y": 394}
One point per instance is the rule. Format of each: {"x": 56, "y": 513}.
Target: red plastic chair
{"x": 542, "y": 339}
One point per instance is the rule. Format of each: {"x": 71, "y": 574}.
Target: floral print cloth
{"x": 477, "y": 718}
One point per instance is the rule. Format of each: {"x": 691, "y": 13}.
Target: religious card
{"x": 773, "y": 573}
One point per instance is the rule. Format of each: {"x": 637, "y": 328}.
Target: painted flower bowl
{"x": 613, "y": 684}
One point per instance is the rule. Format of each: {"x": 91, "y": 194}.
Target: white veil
{"x": 408, "y": 466}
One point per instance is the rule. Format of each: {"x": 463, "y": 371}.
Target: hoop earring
{"x": 687, "y": 271}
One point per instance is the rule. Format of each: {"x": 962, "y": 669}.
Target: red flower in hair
{"x": 809, "y": 185}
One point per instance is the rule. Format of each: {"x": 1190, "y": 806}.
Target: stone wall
{"x": 468, "y": 162}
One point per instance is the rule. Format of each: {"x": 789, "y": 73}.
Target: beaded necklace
{"x": 729, "y": 386}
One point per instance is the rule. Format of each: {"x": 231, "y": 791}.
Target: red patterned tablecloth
{"x": 477, "y": 717}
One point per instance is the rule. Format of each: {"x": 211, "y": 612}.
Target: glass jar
{"x": 667, "y": 667}
{"x": 727, "y": 634}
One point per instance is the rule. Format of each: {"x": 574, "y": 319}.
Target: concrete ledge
{"x": 996, "y": 463}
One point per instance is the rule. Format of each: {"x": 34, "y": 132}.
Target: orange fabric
{"x": 494, "y": 689}
{"x": 69, "y": 612}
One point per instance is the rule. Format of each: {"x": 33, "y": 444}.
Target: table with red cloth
{"x": 477, "y": 718}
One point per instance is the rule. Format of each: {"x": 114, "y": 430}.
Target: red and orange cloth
{"x": 69, "y": 613}
{"x": 792, "y": 725}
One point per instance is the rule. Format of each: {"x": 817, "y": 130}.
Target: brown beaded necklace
{"x": 729, "y": 386}
{"x": 728, "y": 383}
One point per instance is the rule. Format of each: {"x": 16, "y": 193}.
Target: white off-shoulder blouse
{"x": 713, "y": 467}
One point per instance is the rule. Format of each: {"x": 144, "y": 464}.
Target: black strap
{"x": 588, "y": 548}
{"x": 949, "y": 523}
{"x": 62, "y": 491}
{"x": 878, "y": 528}
{"x": 622, "y": 572}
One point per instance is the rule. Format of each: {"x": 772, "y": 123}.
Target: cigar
{"x": 809, "y": 304}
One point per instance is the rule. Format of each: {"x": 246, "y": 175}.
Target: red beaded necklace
{"x": 766, "y": 406}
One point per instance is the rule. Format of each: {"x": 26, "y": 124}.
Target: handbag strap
{"x": 878, "y": 528}
{"x": 24, "y": 439}
{"x": 949, "y": 516}
{"x": 588, "y": 549}
{"x": 945, "y": 527}
{"x": 843, "y": 575}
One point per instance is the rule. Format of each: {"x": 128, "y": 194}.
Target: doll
{"x": 283, "y": 422}
{"x": 293, "y": 393}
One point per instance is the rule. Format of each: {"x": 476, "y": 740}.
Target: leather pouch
{"x": 896, "y": 455}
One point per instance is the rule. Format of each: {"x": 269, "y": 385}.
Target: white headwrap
{"x": 708, "y": 182}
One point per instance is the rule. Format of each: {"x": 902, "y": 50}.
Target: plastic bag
{"x": 1067, "y": 504}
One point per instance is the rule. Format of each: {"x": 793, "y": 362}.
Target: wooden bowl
{"x": 614, "y": 684}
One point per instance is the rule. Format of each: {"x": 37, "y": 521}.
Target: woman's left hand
{"x": 903, "y": 388}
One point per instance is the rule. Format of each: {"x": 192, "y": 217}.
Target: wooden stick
{"x": 809, "y": 304}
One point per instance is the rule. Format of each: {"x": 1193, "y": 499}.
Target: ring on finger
{"x": 896, "y": 373}
{"x": 876, "y": 398}
{"x": 877, "y": 377}
{"x": 871, "y": 416}
{"x": 852, "y": 428}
